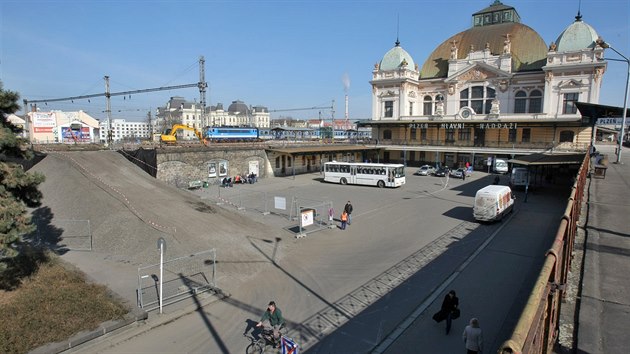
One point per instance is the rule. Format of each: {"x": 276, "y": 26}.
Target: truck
{"x": 519, "y": 177}
{"x": 493, "y": 203}
{"x": 169, "y": 136}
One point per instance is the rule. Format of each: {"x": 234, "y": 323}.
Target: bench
{"x": 600, "y": 171}
{"x": 195, "y": 184}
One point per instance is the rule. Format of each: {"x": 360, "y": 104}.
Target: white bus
{"x": 369, "y": 174}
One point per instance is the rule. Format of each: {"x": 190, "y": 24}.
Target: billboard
{"x": 69, "y": 135}
{"x": 44, "y": 122}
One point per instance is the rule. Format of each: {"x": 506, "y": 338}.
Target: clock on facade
{"x": 465, "y": 112}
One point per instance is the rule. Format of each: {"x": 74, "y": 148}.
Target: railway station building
{"x": 497, "y": 89}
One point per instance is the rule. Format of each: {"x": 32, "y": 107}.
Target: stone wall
{"x": 181, "y": 166}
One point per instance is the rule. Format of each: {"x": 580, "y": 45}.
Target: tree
{"x": 18, "y": 188}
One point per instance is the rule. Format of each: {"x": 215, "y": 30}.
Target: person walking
{"x": 473, "y": 337}
{"x": 450, "y": 304}
{"x": 344, "y": 220}
{"x": 348, "y": 210}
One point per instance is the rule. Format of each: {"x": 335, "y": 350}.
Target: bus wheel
{"x": 343, "y": 181}
{"x": 380, "y": 184}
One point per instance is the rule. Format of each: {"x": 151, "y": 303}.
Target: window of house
{"x": 569, "y": 106}
{"x": 464, "y": 134}
{"x": 479, "y": 98}
{"x": 423, "y": 134}
{"x": 410, "y": 108}
{"x": 512, "y": 135}
{"x": 450, "y": 135}
{"x": 520, "y": 102}
{"x": 278, "y": 162}
{"x": 289, "y": 161}
{"x": 566, "y": 136}
{"x": 428, "y": 106}
{"x": 526, "y": 135}
{"x": 535, "y": 101}
{"x": 389, "y": 109}
{"x": 387, "y": 134}
{"x": 413, "y": 133}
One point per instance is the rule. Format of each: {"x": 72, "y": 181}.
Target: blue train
{"x": 231, "y": 133}
{"x": 284, "y": 133}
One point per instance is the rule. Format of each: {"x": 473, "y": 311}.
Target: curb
{"x": 132, "y": 317}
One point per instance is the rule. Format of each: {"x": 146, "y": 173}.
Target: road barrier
{"x": 538, "y": 326}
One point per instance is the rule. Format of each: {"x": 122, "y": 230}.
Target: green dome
{"x": 395, "y": 58}
{"x": 578, "y": 36}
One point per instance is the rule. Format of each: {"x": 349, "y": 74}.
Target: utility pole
{"x": 108, "y": 110}
{"x": 202, "y": 90}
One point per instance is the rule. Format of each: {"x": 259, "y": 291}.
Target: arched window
{"x": 479, "y": 98}
{"x": 387, "y": 134}
{"x": 535, "y": 102}
{"x": 566, "y": 136}
{"x": 520, "y": 102}
{"x": 428, "y": 106}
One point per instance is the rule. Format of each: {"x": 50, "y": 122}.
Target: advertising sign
{"x": 44, "y": 122}
{"x": 212, "y": 169}
{"x": 307, "y": 217}
{"x": 69, "y": 135}
{"x": 223, "y": 168}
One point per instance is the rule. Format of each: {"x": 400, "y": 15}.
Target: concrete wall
{"x": 180, "y": 167}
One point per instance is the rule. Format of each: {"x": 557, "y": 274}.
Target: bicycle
{"x": 263, "y": 342}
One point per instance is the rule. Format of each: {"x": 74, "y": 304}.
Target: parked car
{"x": 441, "y": 172}
{"x": 459, "y": 172}
{"x": 425, "y": 170}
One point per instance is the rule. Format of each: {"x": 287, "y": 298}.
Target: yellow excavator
{"x": 169, "y": 136}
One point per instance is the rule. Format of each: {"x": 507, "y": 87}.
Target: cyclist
{"x": 272, "y": 320}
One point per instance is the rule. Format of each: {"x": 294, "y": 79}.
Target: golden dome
{"x": 529, "y": 51}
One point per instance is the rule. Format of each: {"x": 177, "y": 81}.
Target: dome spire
{"x": 397, "y": 30}
{"x": 579, "y": 16}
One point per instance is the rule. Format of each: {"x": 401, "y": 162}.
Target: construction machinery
{"x": 170, "y": 135}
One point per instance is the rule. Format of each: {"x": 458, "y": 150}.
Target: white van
{"x": 519, "y": 177}
{"x": 493, "y": 202}
{"x": 500, "y": 166}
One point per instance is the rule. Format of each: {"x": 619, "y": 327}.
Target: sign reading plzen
{"x": 609, "y": 121}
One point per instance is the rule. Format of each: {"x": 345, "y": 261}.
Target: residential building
{"x": 126, "y": 131}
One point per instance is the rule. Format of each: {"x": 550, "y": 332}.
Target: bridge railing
{"x": 537, "y": 328}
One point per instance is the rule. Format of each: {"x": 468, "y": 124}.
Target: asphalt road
{"x": 340, "y": 291}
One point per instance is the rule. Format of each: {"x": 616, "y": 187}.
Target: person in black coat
{"x": 450, "y": 303}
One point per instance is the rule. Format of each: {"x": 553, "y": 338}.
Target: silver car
{"x": 425, "y": 170}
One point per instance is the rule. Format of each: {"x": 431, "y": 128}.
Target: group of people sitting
{"x": 229, "y": 181}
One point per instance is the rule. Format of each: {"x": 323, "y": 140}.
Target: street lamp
{"x": 605, "y": 45}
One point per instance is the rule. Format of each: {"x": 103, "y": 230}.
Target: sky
{"x": 280, "y": 54}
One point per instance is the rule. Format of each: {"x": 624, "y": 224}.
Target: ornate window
{"x": 479, "y": 98}
{"x": 535, "y": 102}
{"x": 389, "y": 109}
{"x": 428, "y": 106}
{"x": 568, "y": 106}
{"x": 566, "y": 136}
{"x": 520, "y": 102}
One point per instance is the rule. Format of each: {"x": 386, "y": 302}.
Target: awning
{"x": 321, "y": 149}
{"x": 548, "y": 159}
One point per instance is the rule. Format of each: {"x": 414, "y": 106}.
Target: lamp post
{"x": 604, "y": 45}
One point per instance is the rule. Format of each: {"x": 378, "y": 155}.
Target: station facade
{"x": 494, "y": 90}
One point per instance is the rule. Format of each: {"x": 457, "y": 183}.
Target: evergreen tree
{"x": 18, "y": 189}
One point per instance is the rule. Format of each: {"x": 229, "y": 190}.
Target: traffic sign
{"x": 609, "y": 121}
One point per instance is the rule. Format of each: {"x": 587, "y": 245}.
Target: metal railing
{"x": 537, "y": 328}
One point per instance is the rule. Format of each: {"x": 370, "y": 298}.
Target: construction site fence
{"x": 183, "y": 277}
{"x": 537, "y": 329}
